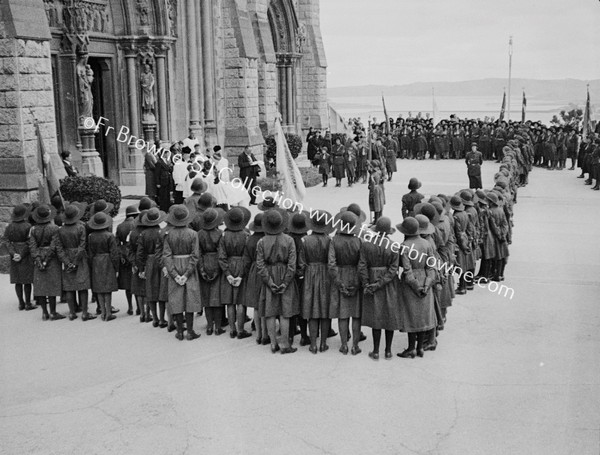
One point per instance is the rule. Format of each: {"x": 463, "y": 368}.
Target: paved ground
{"x": 516, "y": 376}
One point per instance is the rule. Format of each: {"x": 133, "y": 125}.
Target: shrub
{"x": 89, "y": 189}
{"x": 310, "y": 176}
{"x": 294, "y": 143}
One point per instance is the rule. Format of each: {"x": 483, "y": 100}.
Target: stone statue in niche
{"x": 300, "y": 37}
{"x": 51, "y": 13}
{"x": 144, "y": 10}
{"x": 85, "y": 77}
{"x": 147, "y": 83}
{"x": 172, "y": 12}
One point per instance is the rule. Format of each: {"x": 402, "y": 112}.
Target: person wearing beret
{"x": 104, "y": 257}
{"x": 72, "y": 252}
{"x": 148, "y": 260}
{"x": 417, "y": 305}
{"x": 474, "y": 160}
{"x": 276, "y": 264}
{"x": 378, "y": 271}
{"x": 47, "y": 274}
{"x": 231, "y": 261}
{"x": 122, "y": 235}
{"x": 21, "y": 262}
{"x": 180, "y": 255}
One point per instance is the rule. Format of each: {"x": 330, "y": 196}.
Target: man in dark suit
{"x": 249, "y": 170}
{"x": 474, "y": 161}
{"x": 163, "y": 173}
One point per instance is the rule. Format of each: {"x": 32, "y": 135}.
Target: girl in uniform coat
{"x": 378, "y": 270}
{"x": 104, "y": 257}
{"x": 416, "y": 293}
{"x": 180, "y": 257}
{"x": 346, "y": 296}
{"x": 209, "y": 270}
{"x": 47, "y": 279}
{"x": 15, "y": 239}
{"x": 276, "y": 263}
{"x": 375, "y": 191}
{"x": 252, "y": 283}
{"x": 464, "y": 257}
{"x": 324, "y": 159}
{"x": 138, "y": 285}
{"x": 297, "y": 230}
{"x": 486, "y": 242}
{"x": 122, "y": 235}
{"x": 338, "y": 162}
{"x": 499, "y": 233}
{"x": 71, "y": 244}
{"x": 163, "y": 291}
{"x": 313, "y": 267}
{"x": 148, "y": 259}
{"x": 231, "y": 260}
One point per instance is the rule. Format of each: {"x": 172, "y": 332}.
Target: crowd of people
{"x": 297, "y": 270}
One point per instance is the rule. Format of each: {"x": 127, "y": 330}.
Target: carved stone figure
{"x": 85, "y": 77}
{"x": 147, "y": 82}
{"x": 300, "y": 37}
{"x": 144, "y": 11}
{"x": 172, "y": 12}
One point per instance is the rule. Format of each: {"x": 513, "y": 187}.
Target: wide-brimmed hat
{"x": 236, "y": 219}
{"x": 206, "y": 201}
{"x": 273, "y": 222}
{"x": 355, "y": 208}
{"x": 179, "y": 216}
{"x": 492, "y": 197}
{"x": 439, "y": 207}
{"x": 256, "y": 225}
{"x": 267, "y": 203}
{"x": 146, "y": 204}
{"x": 198, "y": 186}
{"x": 211, "y": 218}
{"x": 347, "y": 222}
{"x": 414, "y": 184}
{"x": 481, "y": 197}
{"x": 409, "y": 226}
{"x": 425, "y": 227}
{"x": 456, "y": 204}
{"x": 43, "y": 214}
{"x": 428, "y": 210}
{"x": 131, "y": 210}
{"x": 99, "y": 221}
{"x": 384, "y": 226}
{"x": 153, "y": 217}
{"x": 298, "y": 223}
{"x": 19, "y": 213}
{"x": 101, "y": 206}
{"x": 321, "y": 222}
{"x": 73, "y": 213}
{"x": 467, "y": 198}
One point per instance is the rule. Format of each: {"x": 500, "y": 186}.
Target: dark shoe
{"x": 98, "y": 310}
{"x": 374, "y": 355}
{"x": 163, "y": 324}
{"x": 148, "y": 318}
{"x": 274, "y": 349}
{"x": 243, "y": 334}
{"x": 56, "y": 316}
{"x": 110, "y": 317}
{"x": 430, "y": 346}
{"x": 363, "y": 337}
{"x": 388, "y": 355}
{"x": 289, "y": 350}
{"x": 266, "y": 341}
{"x": 313, "y": 349}
{"x": 323, "y": 348}
{"x": 232, "y": 334}
{"x": 21, "y": 306}
{"x": 420, "y": 352}
{"x": 407, "y": 354}
{"x": 114, "y": 310}
{"x": 130, "y": 312}
{"x": 138, "y": 312}
{"x": 209, "y": 331}
{"x": 171, "y": 328}
{"x": 72, "y": 316}
{"x": 344, "y": 350}
{"x": 191, "y": 335}
{"x": 87, "y": 317}
{"x": 470, "y": 287}
{"x": 331, "y": 333}
{"x": 29, "y": 307}
{"x": 219, "y": 331}
{"x": 460, "y": 291}
{"x": 155, "y": 323}
{"x": 45, "y": 317}
{"x": 355, "y": 350}
{"x": 259, "y": 341}
{"x": 304, "y": 341}
{"x": 179, "y": 336}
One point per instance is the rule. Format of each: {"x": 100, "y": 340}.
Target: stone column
{"x": 208, "y": 65}
{"x": 192, "y": 67}
{"x": 289, "y": 91}
{"x": 163, "y": 120}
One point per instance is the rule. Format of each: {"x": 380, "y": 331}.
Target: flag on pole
{"x": 523, "y": 107}
{"x": 292, "y": 185}
{"x": 48, "y": 184}
{"x": 436, "y": 114}
{"x": 587, "y": 117}
{"x": 503, "y": 107}
{"x": 387, "y": 118}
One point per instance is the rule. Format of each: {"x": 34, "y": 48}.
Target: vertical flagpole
{"x": 510, "y": 53}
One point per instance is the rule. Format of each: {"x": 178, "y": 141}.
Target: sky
{"x": 395, "y": 42}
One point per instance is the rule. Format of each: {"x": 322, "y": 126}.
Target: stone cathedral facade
{"x": 160, "y": 68}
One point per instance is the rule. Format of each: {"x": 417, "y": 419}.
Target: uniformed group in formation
{"x": 297, "y": 270}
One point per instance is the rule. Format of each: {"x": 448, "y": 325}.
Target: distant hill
{"x": 565, "y": 89}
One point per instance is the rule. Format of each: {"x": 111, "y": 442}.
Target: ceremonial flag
{"x": 503, "y": 107}
{"x": 292, "y": 185}
{"x": 48, "y": 185}
{"x": 587, "y": 117}
{"x": 387, "y": 118}
{"x": 523, "y": 107}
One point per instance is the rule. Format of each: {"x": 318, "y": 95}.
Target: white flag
{"x": 292, "y": 185}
